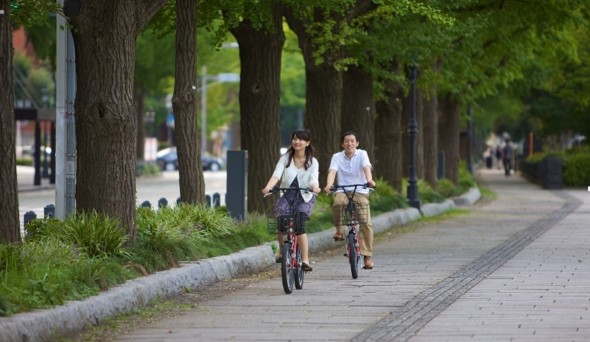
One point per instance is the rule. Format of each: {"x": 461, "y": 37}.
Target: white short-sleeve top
{"x": 350, "y": 170}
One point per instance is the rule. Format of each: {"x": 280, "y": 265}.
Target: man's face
{"x": 349, "y": 143}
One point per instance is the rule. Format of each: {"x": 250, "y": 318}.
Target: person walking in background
{"x": 488, "y": 156}
{"x": 297, "y": 168}
{"x": 352, "y": 166}
{"x": 507, "y": 157}
{"x": 498, "y": 152}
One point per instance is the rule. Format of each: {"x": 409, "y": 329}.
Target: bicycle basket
{"x": 358, "y": 213}
{"x": 280, "y": 223}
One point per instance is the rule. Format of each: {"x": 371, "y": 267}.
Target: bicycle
{"x": 353, "y": 215}
{"x": 291, "y": 263}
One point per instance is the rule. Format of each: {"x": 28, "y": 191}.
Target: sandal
{"x": 306, "y": 268}
{"x": 368, "y": 263}
{"x": 338, "y": 237}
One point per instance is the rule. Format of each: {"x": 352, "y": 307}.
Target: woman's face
{"x": 299, "y": 144}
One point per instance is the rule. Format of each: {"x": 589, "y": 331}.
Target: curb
{"x": 72, "y": 317}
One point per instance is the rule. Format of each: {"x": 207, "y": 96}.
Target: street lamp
{"x": 412, "y": 190}
{"x": 221, "y": 78}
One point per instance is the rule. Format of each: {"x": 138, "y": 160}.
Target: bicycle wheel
{"x": 353, "y": 256}
{"x": 299, "y": 274}
{"x": 287, "y": 271}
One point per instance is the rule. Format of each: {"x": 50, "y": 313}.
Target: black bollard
{"x": 49, "y": 211}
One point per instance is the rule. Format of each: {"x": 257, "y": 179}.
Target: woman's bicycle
{"x": 353, "y": 215}
{"x": 286, "y": 223}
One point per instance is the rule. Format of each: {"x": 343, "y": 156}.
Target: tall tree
{"x": 9, "y": 225}
{"x": 260, "y": 56}
{"x": 184, "y": 103}
{"x": 104, "y": 36}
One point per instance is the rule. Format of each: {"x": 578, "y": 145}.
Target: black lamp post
{"x": 469, "y": 138}
{"x": 413, "y": 199}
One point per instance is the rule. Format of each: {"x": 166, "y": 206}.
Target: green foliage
{"x": 30, "y": 12}
{"x": 427, "y": 194}
{"x": 577, "y": 167}
{"x": 85, "y": 254}
{"x": 47, "y": 272}
{"x": 385, "y": 198}
{"x": 92, "y": 234}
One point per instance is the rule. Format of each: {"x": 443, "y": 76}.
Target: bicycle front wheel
{"x": 299, "y": 274}
{"x": 287, "y": 270}
{"x": 353, "y": 256}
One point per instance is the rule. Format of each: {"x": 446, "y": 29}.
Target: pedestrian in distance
{"x": 507, "y": 157}
{"x": 352, "y": 166}
{"x": 297, "y": 168}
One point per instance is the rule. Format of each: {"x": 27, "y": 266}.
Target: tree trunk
{"x": 358, "y": 108}
{"x": 184, "y": 104}
{"x": 430, "y": 129}
{"x": 106, "y": 122}
{"x": 448, "y": 136}
{"x": 388, "y": 136}
{"x": 10, "y": 224}
{"x": 323, "y": 87}
{"x": 260, "y": 58}
{"x": 140, "y": 112}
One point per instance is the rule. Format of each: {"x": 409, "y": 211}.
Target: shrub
{"x": 93, "y": 234}
{"x": 577, "y": 168}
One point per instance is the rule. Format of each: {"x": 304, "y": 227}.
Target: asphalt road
{"x": 35, "y": 198}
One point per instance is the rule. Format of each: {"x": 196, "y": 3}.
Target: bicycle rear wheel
{"x": 287, "y": 270}
{"x": 353, "y": 256}
{"x": 299, "y": 274}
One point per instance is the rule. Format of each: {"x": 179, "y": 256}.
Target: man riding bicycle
{"x": 352, "y": 166}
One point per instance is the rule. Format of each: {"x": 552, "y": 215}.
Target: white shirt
{"x": 350, "y": 170}
{"x": 306, "y": 178}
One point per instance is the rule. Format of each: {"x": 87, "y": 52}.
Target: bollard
{"x": 146, "y": 204}
{"x": 49, "y": 211}
{"x": 216, "y": 200}
{"x": 236, "y": 199}
{"x": 29, "y": 216}
{"x": 162, "y": 203}
{"x": 208, "y": 201}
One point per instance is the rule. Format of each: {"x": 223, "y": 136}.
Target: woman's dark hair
{"x": 348, "y": 133}
{"x": 303, "y": 134}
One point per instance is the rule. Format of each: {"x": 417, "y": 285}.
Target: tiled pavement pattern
{"x": 515, "y": 269}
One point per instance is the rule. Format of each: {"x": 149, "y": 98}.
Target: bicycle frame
{"x": 291, "y": 263}
{"x": 350, "y": 219}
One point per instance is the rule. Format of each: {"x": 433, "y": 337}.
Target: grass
{"x": 88, "y": 253}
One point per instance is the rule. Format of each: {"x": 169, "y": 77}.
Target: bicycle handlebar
{"x": 355, "y": 186}
{"x": 276, "y": 189}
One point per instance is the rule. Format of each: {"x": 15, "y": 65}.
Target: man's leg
{"x": 366, "y": 232}
{"x": 340, "y": 201}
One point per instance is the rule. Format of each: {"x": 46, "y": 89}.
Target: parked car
{"x": 168, "y": 160}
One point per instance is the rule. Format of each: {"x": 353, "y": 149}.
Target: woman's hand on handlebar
{"x": 329, "y": 188}
{"x": 316, "y": 189}
{"x": 371, "y": 184}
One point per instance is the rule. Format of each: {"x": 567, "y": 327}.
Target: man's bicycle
{"x": 353, "y": 215}
{"x": 287, "y": 223}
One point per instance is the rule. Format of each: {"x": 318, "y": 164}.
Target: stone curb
{"x": 46, "y": 325}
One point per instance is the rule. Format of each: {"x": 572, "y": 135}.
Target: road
{"x": 148, "y": 189}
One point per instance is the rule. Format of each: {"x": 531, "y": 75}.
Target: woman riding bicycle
{"x": 299, "y": 169}
{"x": 352, "y": 166}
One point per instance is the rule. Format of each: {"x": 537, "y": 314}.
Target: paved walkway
{"x": 515, "y": 269}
